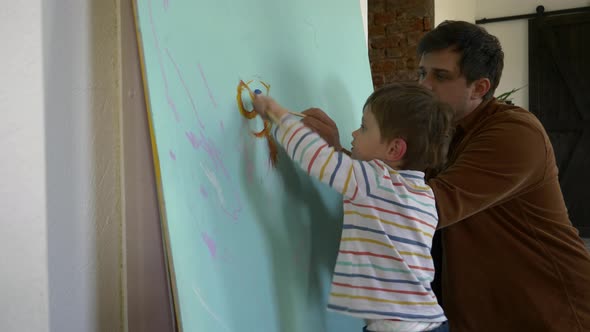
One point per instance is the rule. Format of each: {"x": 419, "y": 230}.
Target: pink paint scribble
{"x": 183, "y": 82}
{"x": 166, "y": 4}
{"x": 221, "y": 126}
{"x": 207, "y": 85}
{"x": 172, "y": 155}
{"x": 198, "y": 138}
{"x": 214, "y": 154}
{"x": 204, "y": 192}
{"x": 210, "y": 149}
{"x": 169, "y": 99}
{"x": 210, "y": 244}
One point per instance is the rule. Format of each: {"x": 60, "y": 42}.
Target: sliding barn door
{"x": 559, "y": 82}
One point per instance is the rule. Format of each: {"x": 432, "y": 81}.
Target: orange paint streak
{"x": 247, "y": 114}
{"x": 266, "y": 131}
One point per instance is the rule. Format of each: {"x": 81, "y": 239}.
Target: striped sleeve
{"x": 321, "y": 161}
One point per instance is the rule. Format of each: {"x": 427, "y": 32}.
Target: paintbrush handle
{"x": 297, "y": 114}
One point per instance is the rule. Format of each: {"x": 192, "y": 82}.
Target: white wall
{"x": 83, "y": 107}
{"x": 60, "y": 207}
{"x": 23, "y": 256}
{"x": 458, "y": 10}
{"x": 364, "y": 14}
{"x": 514, "y": 38}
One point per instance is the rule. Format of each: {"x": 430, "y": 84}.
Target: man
{"x": 512, "y": 259}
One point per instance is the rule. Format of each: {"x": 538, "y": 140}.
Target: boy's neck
{"x": 395, "y": 164}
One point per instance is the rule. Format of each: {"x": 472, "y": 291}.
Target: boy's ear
{"x": 482, "y": 86}
{"x": 396, "y": 150}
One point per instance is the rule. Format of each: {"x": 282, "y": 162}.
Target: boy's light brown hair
{"x": 413, "y": 113}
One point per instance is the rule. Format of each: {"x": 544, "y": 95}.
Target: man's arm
{"x": 505, "y": 159}
{"x": 318, "y": 121}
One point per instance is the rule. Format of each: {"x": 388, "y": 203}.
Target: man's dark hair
{"x": 481, "y": 52}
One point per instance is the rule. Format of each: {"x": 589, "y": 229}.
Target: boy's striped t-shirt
{"x": 384, "y": 268}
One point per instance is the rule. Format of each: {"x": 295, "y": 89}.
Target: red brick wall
{"x": 395, "y": 27}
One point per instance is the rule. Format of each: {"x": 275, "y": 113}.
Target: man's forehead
{"x": 442, "y": 60}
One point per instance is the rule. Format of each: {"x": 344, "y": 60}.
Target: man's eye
{"x": 441, "y": 77}
{"x": 421, "y": 74}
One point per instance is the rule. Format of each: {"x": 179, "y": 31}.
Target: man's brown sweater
{"x": 512, "y": 259}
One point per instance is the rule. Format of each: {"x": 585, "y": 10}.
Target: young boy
{"x": 384, "y": 268}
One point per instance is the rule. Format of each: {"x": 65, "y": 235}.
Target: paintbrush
{"x": 273, "y": 118}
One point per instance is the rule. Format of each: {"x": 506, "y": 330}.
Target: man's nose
{"x": 426, "y": 82}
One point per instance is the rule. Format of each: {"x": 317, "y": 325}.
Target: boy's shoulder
{"x": 398, "y": 177}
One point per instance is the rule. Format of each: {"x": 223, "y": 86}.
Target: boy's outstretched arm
{"x": 268, "y": 107}
{"x": 315, "y": 119}
{"x": 313, "y": 153}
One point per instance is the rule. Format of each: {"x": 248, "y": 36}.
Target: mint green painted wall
{"x": 252, "y": 247}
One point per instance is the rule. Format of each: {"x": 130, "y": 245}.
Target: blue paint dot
{"x": 257, "y": 91}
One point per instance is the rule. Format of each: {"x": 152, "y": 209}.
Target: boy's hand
{"x": 323, "y": 125}
{"x": 268, "y": 107}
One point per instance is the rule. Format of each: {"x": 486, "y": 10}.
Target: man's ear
{"x": 396, "y": 149}
{"x": 482, "y": 86}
